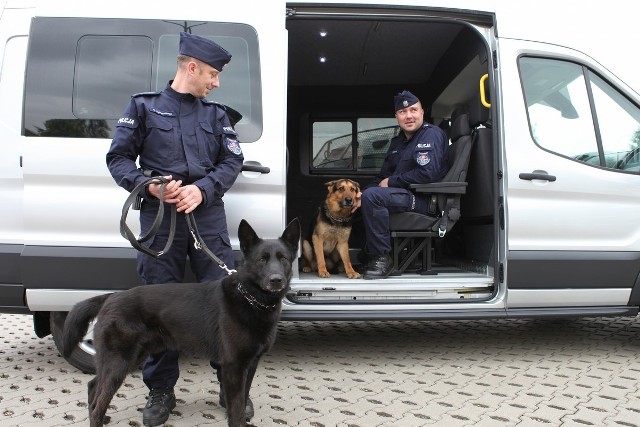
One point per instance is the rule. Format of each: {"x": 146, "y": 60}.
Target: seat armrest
{"x": 440, "y": 187}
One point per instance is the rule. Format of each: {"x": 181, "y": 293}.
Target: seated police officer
{"x": 166, "y": 131}
{"x": 418, "y": 155}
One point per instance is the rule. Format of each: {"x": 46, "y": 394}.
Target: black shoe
{"x": 248, "y": 410}
{"x": 160, "y": 403}
{"x": 379, "y": 267}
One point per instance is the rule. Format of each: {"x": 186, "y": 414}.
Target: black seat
{"x": 478, "y": 203}
{"x": 412, "y": 232}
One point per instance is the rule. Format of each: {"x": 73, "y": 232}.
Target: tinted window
{"x": 97, "y": 96}
{"x": 81, "y": 73}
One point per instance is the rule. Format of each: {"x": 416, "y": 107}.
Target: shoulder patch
{"x": 127, "y": 122}
{"x": 229, "y": 130}
{"x": 423, "y": 158}
{"x": 233, "y": 146}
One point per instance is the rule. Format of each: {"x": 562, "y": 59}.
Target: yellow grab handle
{"x": 483, "y": 96}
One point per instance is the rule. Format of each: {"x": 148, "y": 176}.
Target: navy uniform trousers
{"x": 162, "y": 370}
{"x": 377, "y": 204}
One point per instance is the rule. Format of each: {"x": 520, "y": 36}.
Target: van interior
{"x": 344, "y": 68}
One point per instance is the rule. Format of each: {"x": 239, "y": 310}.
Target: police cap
{"x": 204, "y": 49}
{"x": 404, "y": 99}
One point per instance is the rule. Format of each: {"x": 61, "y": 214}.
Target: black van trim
{"x": 305, "y": 315}
{"x": 572, "y": 269}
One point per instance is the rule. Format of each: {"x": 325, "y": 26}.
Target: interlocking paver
{"x": 523, "y": 372}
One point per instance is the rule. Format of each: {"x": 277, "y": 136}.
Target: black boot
{"x": 248, "y": 409}
{"x": 160, "y": 403}
{"x": 379, "y": 267}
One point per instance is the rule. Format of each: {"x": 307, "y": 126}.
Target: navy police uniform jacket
{"x": 419, "y": 160}
{"x": 176, "y": 134}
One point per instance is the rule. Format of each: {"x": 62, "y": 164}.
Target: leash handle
{"x": 126, "y": 232}
{"x": 199, "y": 244}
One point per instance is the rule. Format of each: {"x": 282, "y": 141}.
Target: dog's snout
{"x": 276, "y": 281}
{"x": 346, "y": 202}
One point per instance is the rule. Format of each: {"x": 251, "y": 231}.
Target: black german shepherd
{"x": 231, "y": 321}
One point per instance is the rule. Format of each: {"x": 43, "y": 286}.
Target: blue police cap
{"x": 204, "y": 49}
{"x": 404, "y": 99}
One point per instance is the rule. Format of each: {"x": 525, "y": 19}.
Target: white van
{"x": 549, "y": 218}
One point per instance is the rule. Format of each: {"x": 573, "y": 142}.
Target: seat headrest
{"x": 478, "y": 113}
{"x": 460, "y": 126}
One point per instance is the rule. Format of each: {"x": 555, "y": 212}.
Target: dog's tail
{"x": 77, "y": 322}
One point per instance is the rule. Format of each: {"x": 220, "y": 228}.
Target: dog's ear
{"x": 331, "y": 185}
{"x": 248, "y": 238}
{"x": 291, "y": 235}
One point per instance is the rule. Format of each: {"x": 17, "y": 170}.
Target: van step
{"x": 408, "y": 287}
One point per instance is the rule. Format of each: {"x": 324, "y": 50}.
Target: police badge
{"x": 423, "y": 158}
{"x": 234, "y": 146}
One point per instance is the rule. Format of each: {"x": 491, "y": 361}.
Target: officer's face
{"x": 410, "y": 119}
{"x": 208, "y": 79}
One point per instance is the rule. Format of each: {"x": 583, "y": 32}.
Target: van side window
{"x": 81, "y": 72}
{"x": 100, "y": 83}
{"x": 359, "y": 144}
{"x": 575, "y": 113}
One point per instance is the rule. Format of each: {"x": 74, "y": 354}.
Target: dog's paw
{"x": 324, "y": 274}
{"x": 354, "y": 275}
{"x": 306, "y": 269}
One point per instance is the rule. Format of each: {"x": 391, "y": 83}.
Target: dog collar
{"x": 334, "y": 218}
{"x": 252, "y": 300}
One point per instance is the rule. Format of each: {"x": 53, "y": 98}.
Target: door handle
{"x": 255, "y": 168}
{"x": 541, "y": 175}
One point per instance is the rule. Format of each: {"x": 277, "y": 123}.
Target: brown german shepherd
{"x": 330, "y": 230}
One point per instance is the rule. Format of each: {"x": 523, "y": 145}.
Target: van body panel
{"x": 14, "y": 28}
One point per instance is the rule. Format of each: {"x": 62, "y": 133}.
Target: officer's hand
{"x": 357, "y": 202}
{"x": 384, "y": 183}
{"x": 189, "y": 198}
{"x": 171, "y": 190}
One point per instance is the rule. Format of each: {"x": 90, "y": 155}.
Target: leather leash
{"x": 126, "y": 232}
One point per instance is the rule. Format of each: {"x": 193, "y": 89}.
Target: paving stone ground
{"x": 525, "y": 372}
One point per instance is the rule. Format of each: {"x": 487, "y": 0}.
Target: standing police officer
{"x": 418, "y": 155}
{"x": 178, "y": 134}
